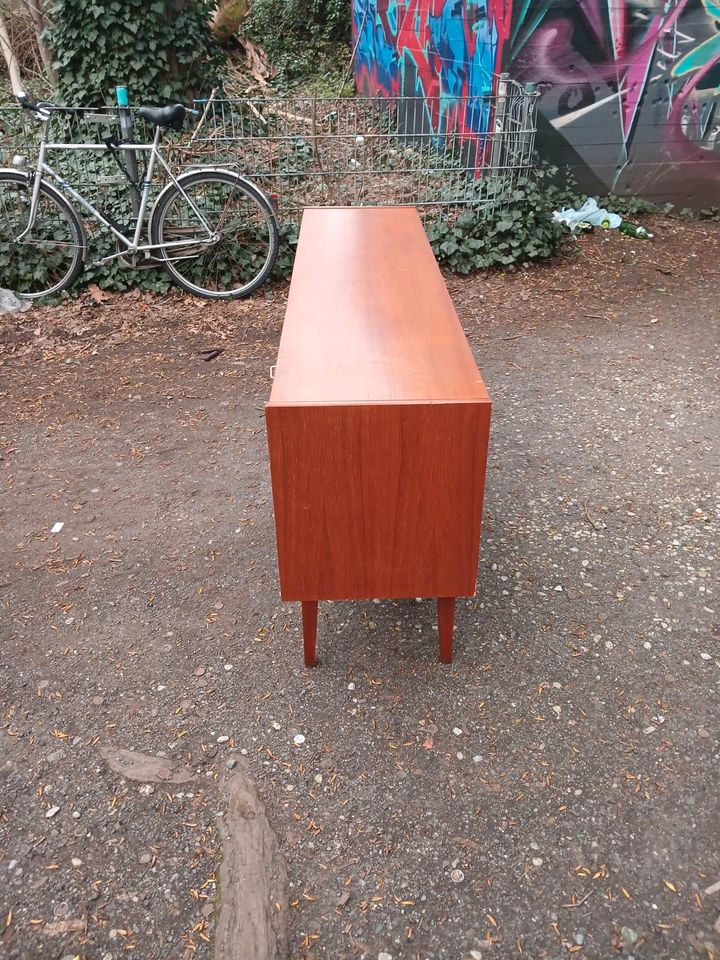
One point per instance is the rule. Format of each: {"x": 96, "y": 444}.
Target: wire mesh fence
{"x": 431, "y": 152}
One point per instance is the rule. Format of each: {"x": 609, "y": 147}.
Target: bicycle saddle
{"x": 172, "y": 117}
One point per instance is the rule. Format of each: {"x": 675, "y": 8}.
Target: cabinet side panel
{"x": 378, "y": 501}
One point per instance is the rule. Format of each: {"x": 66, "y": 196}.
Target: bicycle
{"x": 213, "y": 230}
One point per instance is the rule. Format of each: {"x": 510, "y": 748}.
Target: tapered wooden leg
{"x": 446, "y": 623}
{"x": 309, "y": 622}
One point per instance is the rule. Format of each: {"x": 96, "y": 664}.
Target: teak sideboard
{"x": 378, "y": 422}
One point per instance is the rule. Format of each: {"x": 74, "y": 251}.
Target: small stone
{"x": 228, "y": 666}
{"x": 231, "y": 763}
{"x": 275, "y": 725}
{"x": 55, "y": 756}
{"x": 298, "y": 739}
{"x": 477, "y": 758}
{"x": 457, "y": 876}
{"x": 76, "y": 814}
{"x": 43, "y": 685}
{"x": 200, "y": 671}
{"x": 649, "y": 730}
{"x": 145, "y": 858}
{"x": 703, "y": 732}
{"x": 537, "y": 861}
{"x": 457, "y": 731}
{"x": 351, "y": 686}
{"x": 628, "y": 935}
{"x": 580, "y": 939}
{"x": 208, "y": 909}
{"x": 76, "y": 862}
{"x": 223, "y": 739}
{"x": 557, "y": 710}
{"x": 318, "y": 778}
{"x": 146, "y": 790}
{"x": 475, "y": 955}
{"x": 98, "y": 701}
{"x": 384, "y": 956}
{"x": 647, "y": 645}
{"x": 609, "y": 645}
{"x": 705, "y": 656}
{"x": 51, "y": 812}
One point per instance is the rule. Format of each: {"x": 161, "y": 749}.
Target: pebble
{"x": 457, "y": 731}
{"x": 223, "y": 739}
{"x": 145, "y": 858}
{"x": 351, "y": 686}
{"x": 477, "y": 758}
{"x": 200, "y": 671}
{"x": 208, "y": 910}
{"x": 298, "y": 739}
{"x": 384, "y": 956}
{"x": 557, "y": 710}
{"x": 457, "y": 876}
{"x": 231, "y": 763}
{"x": 146, "y": 790}
{"x": 703, "y": 732}
{"x": 51, "y": 812}
{"x": 460, "y": 756}
{"x": 98, "y": 701}
{"x": 537, "y": 861}
{"x": 228, "y": 666}
{"x": 705, "y": 656}
{"x": 275, "y": 725}
{"x": 76, "y": 814}
{"x": 55, "y": 756}
{"x": 76, "y": 862}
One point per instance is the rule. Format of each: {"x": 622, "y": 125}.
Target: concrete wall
{"x": 630, "y": 88}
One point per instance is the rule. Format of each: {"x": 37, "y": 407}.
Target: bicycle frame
{"x": 132, "y": 245}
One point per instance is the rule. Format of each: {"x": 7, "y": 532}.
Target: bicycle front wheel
{"x": 241, "y": 222}
{"x": 51, "y": 256}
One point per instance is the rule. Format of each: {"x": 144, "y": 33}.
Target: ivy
{"x": 163, "y": 51}
{"x": 504, "y": 225}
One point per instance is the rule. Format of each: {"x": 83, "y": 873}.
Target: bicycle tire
{"x": 32, "y": 280}
{"x": 167, "y": 223}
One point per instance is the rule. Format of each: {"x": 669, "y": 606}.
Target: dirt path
{"x": 553, "y": 793}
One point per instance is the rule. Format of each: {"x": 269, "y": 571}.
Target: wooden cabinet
{"x": 378, "y": 422}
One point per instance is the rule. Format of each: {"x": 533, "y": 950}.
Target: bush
{"x": 518, "y": 229}
{"x": 291, "y": 31}
{"x": 162, "y": 51}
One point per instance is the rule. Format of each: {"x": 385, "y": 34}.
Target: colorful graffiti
{"x": 630, "y": 88}
{"x": 447, "y": 52}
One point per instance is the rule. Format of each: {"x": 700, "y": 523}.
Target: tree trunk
{"x": 10, "y": 58}
{"x": 227, "y": 18}
{"x": 38, "y": 18}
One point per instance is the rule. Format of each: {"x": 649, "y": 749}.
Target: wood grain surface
{"x": 369, "y": 318}
{"x": 378, "y": 500}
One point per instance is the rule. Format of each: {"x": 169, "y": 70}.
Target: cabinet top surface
{"x": 369, "y": 318}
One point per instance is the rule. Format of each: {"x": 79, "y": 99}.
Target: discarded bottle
{"x": 635, "y": 230}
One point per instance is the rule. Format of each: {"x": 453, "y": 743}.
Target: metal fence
{"x": 432, "y": 153}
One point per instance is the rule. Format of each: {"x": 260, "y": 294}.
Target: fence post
{"x": 498, "y": 136}
{"x": 129, "y": 156}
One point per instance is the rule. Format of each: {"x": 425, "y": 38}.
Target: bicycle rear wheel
{"x": 245, "y": 245}
{"x": 50, "y": 258}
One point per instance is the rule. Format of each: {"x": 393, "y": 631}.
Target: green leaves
{"x": 502, "y": 226}
{"x": 162, "y": 51}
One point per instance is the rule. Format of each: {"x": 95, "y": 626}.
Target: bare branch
{"x": 10, "y": 58}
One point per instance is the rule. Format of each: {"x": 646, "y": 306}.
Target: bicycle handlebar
{"x": 43, "y": 108}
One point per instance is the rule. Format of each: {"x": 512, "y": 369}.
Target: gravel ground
{"x": 553, "y": 793}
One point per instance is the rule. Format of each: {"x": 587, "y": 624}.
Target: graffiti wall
{"x": 630, "y": 88}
